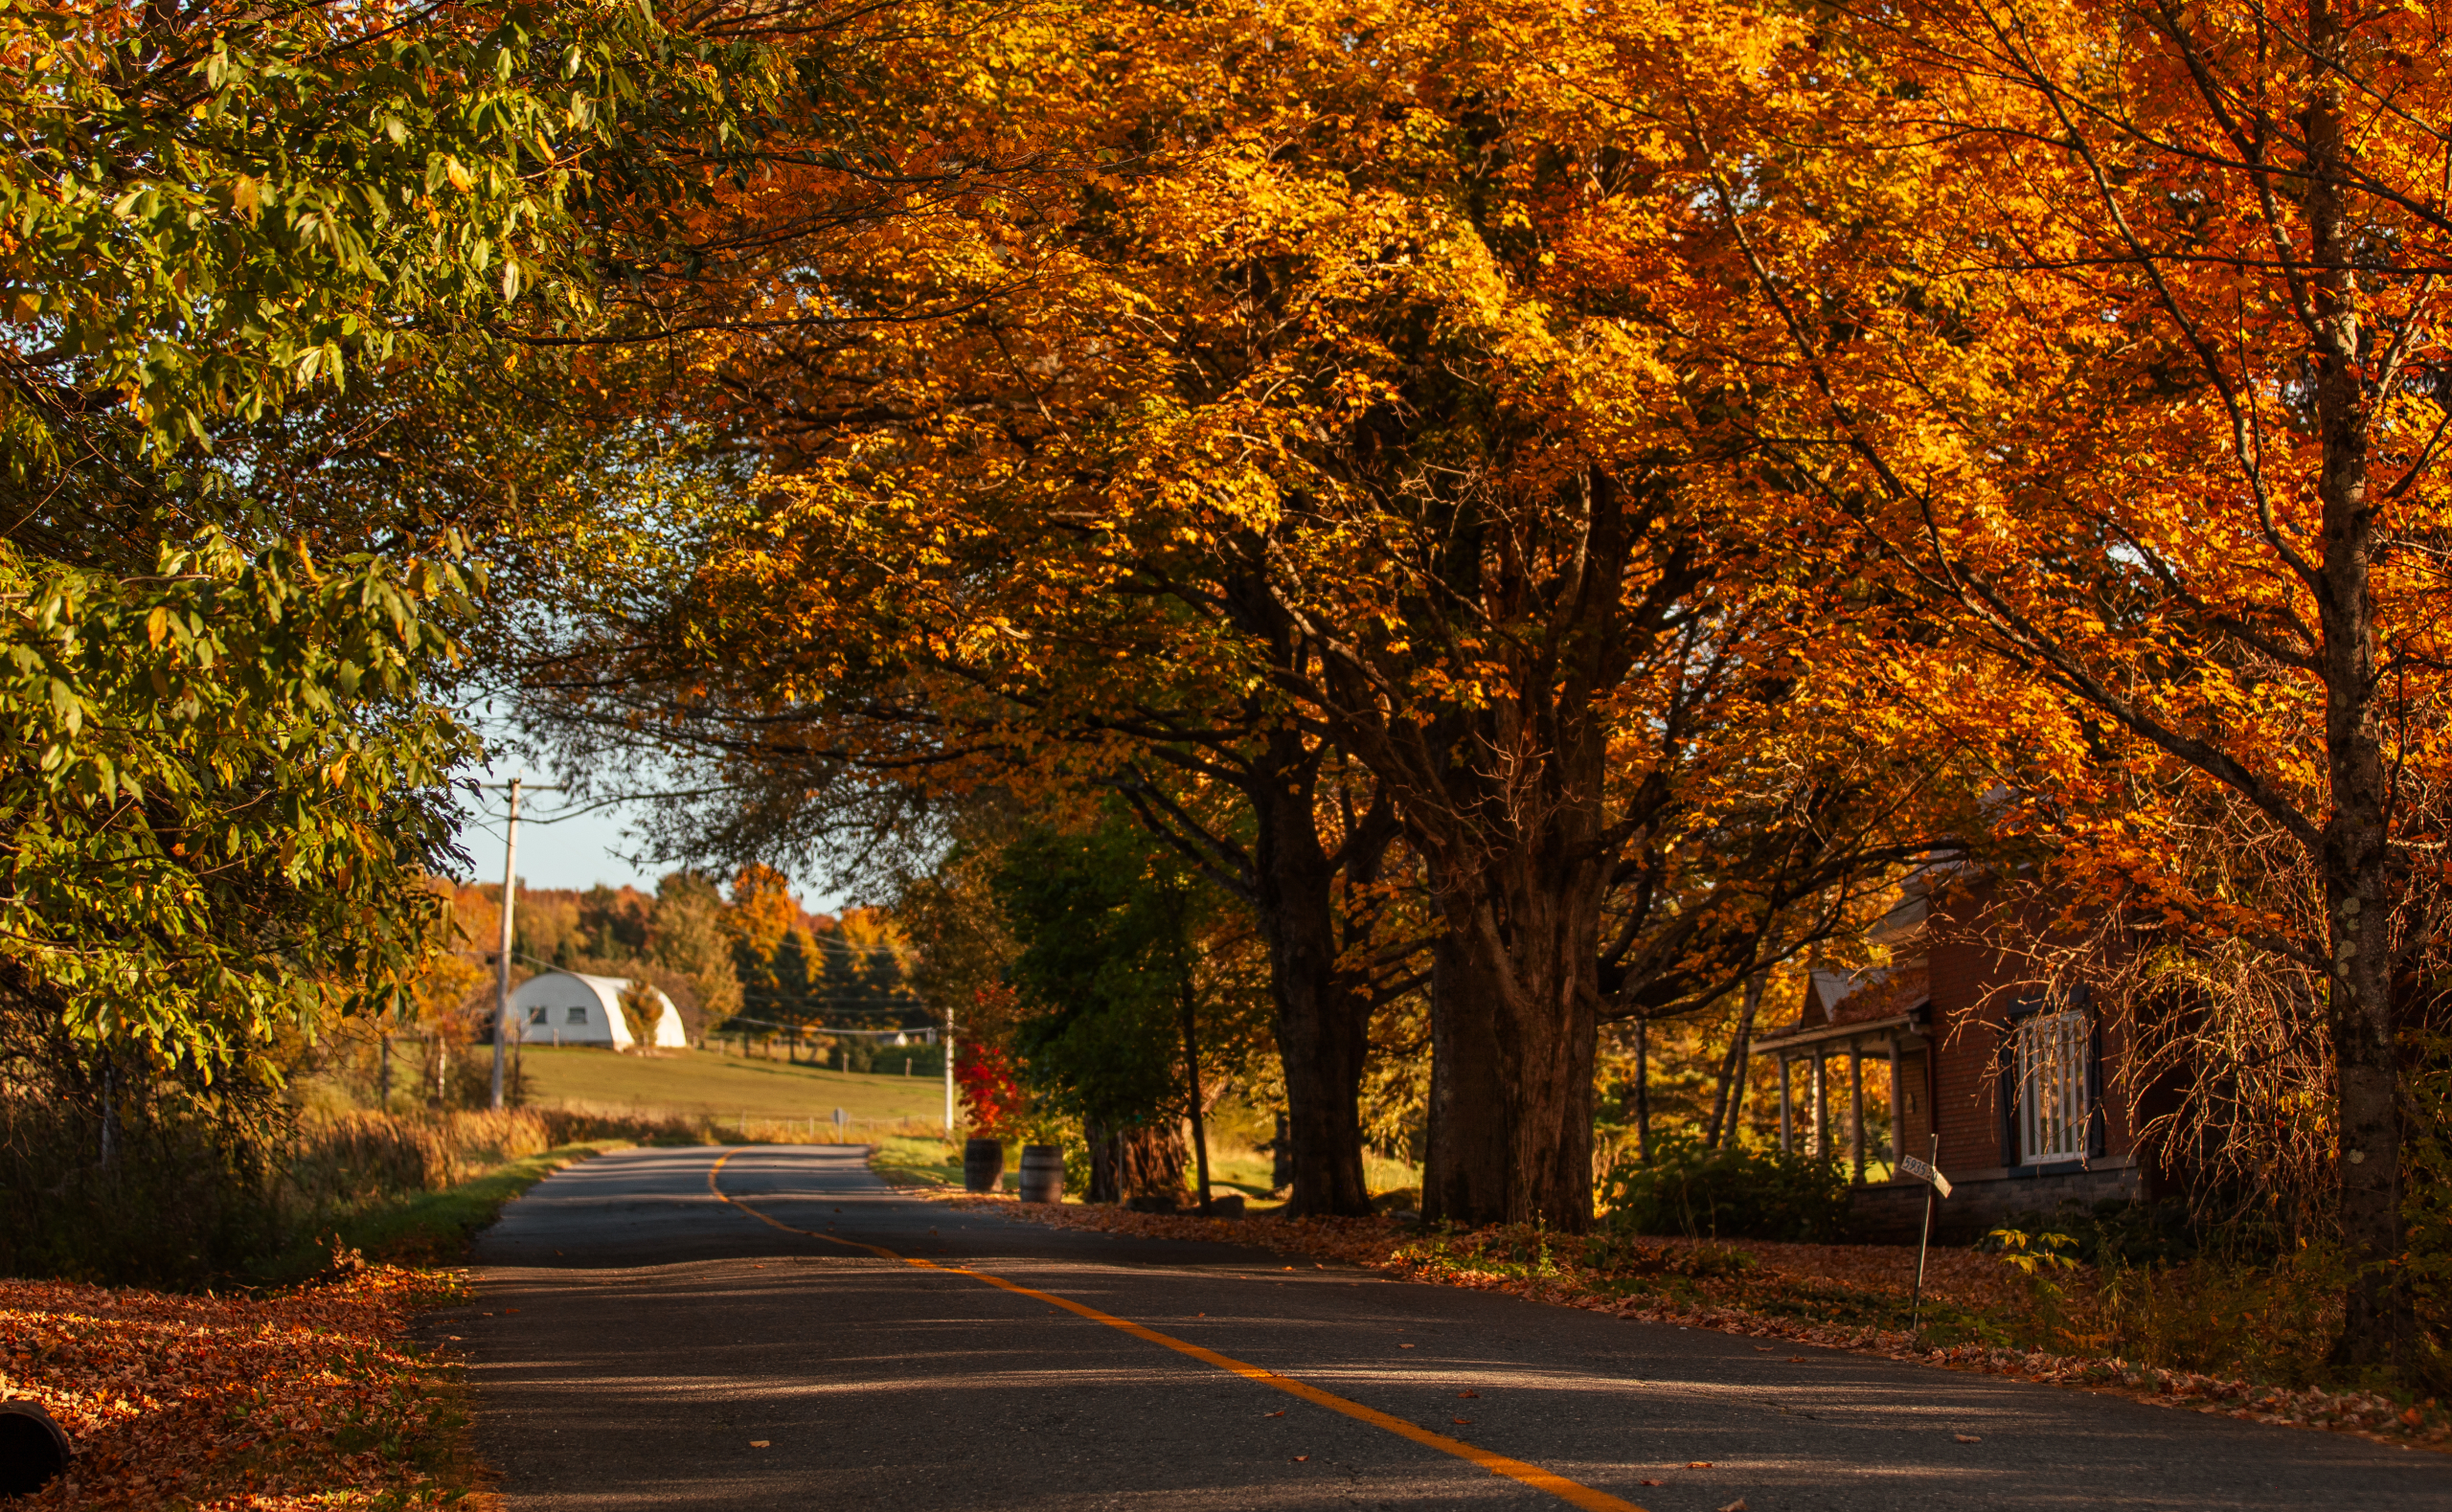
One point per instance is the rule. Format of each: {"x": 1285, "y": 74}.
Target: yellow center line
{"x": 1573, "y": 1493}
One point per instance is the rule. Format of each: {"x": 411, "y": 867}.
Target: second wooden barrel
{"x": 1042, "y": 1173}
{"x": 983, "y": 1165}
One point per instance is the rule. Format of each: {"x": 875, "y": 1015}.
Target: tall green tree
{"x": 1117, "y": 1016}
{"x": 230, "y": 233}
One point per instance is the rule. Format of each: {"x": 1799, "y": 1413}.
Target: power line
{"x": 822, "y": 1028}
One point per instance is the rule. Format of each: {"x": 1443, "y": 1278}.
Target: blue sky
{"x": 579, "y": 851}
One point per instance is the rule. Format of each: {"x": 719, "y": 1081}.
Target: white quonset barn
{"x": 563, "y": 1007}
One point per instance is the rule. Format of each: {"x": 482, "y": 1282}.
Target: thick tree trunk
{"x": 1549, "y": 1032}
{"x": 1323, "y": 1021}
{"x": 2379, "y": 1327}
{"x": 1515, "y": 1028}
{"x": 1465, "y": 1172}
{"x": 1508, "y": 811}
{"x": 1504, "y": 799}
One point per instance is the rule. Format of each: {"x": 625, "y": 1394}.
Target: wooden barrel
{"x": 983, "y": 1165}
{"x": 1042, "y": 1173}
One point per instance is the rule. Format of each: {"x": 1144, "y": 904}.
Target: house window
{"x": 576, "y": 1016}
{"x": 537, "y": 1015}
{"x": 2051, "y": 1087}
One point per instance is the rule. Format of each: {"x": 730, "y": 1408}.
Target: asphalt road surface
{"x": 642, "y": 1340}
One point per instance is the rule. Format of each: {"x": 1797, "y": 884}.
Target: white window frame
{"x": 2054, "y": 1110}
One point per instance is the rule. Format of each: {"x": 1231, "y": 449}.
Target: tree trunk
{"x": 1141, "y": 1159}
{"x": 1191, "y": 1076}
{"x": 1465, "y": 1169}
{"x": 1323, "y": 1021}
{"x": 1514, "y": 1030}
{"x": 1507, "y": 804}
{"x": 2379, "y": 1327}
{"x": 1729, "y": 1094}
{"x": 1643, "y": 1090}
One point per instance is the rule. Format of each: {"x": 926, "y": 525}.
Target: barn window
{"x": 537, "y": 1015}
{"x": 576, "y": 1016}
{"x": 2051, "y": 1087}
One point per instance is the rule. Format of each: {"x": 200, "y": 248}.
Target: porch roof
{"x": 1909, "y": 1026}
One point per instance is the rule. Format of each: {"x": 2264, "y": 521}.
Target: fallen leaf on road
{"x": 1279, "y": 1412}
{"x": 1699, "y": 1464}
{"x": 1651, "y": 1482}
{"x": 507, "y": 1311}
{"x": 1298, "y": 1459}
{"x": 1468, "y": 1393}
{"x": 1796, "y": 1359}
{"x": 1737, "y": 1505}
{"x": 1405, "y": 1346}
{"x": 1761, "y": 1349}
{"x": 1466, "y": 1421}
{"x": 1970, "y": 1439}
{"x": 759, "y": 1443}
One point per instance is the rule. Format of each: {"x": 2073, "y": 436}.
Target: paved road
{"x": 637, "y": 1336}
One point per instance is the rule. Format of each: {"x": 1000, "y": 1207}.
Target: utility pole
{"x": 949, "y": 1070}
{"x": 502, "y": 965}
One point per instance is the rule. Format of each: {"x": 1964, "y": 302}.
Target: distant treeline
{"x": 747, "y": 958}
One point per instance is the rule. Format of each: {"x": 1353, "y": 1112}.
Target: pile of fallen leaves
{"x": 1787, "y": 1292}
{"x": 311, "y": 1397}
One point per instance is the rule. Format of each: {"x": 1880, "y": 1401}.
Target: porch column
{"x": 1897, "y": 1106}
{"x": 1856, "y": 1107}
{"x": 1787, "y": 1132}
{"x": 1818, "y": 1116}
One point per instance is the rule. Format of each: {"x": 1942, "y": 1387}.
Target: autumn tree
{"x": 1323, "y": 421}
{"x": 1130, "y": 1007}
{"x": 2115, "y": 331}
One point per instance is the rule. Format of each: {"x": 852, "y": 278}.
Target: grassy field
{"x": 723, "y": 1086}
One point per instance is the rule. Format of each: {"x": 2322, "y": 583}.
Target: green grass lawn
{"x": 705, "y": 1082}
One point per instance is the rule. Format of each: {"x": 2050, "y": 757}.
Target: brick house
{"x": 2021, "y": 1084}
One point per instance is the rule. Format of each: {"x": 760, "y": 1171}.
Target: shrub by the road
{"x": 1727, "y": 1194}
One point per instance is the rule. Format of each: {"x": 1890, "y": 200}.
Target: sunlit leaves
{"x": 212, "y": 820}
